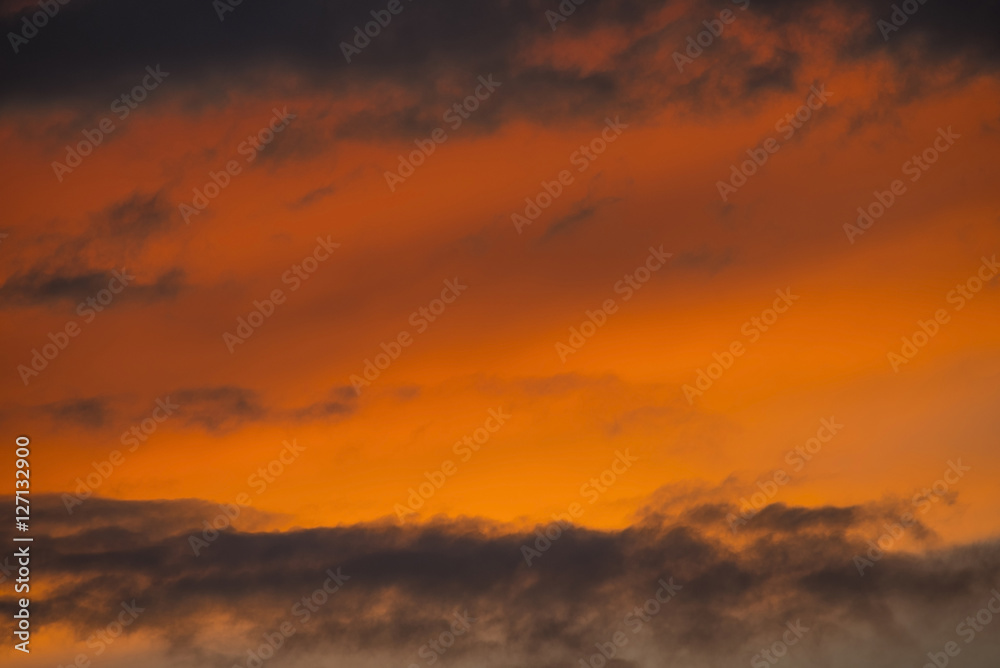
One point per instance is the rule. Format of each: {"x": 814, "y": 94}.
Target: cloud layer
{"x": 733, "y": 594}
{"x": 598, "y": 59}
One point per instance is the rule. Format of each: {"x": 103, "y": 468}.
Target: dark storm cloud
{"x": 104, "y": 45}
{"x": 91, "y": 52}
{"x": 940, "y": 28}
{"x": 405, "y": 583}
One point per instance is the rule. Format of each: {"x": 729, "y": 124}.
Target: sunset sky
{"x": 402, "y": 300}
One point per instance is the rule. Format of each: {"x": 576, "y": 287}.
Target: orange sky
{"x": 746, "y": 350}
{"x": 495, "y": 346}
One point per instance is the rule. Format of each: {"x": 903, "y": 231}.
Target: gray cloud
{"x": 582, "y": 212}
{"x": 77, "y": 266}
{"x": 39, "y": 286}
{"x": 216, "y": 409}
{"x": 92, "y": 52}
{"x": 405, "y": 582}
{"x": 219, "y": 409}
{"x": 137, "y": 216}
{"x": 92, "y": 412}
